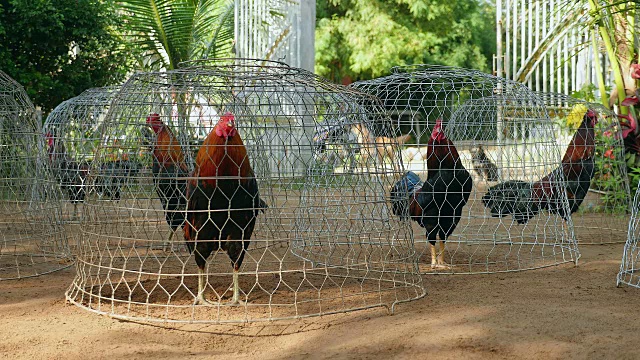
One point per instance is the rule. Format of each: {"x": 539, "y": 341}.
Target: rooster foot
{"x": 236, "y": 302}
{"x": 441, "y": 266}
{"x": 200, "y": 300}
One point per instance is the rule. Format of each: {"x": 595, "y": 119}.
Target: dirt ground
{"x": 550, "y": 313}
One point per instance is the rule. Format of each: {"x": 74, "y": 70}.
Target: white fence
{"x": 545, "y": 44}
{"x": 276, "y": 30}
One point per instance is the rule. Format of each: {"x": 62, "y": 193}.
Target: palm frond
{"x": 221, "y": 43}
{"x": 173, "y": 31}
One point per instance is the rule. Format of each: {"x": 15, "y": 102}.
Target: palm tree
{"x": 168, "y": 32}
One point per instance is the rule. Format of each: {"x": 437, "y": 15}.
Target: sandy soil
{"x": 558, "y": 312}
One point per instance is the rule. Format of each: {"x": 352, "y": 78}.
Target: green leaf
{"x": 173, "y": 31}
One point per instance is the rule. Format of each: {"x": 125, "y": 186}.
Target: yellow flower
{"x": 574, "y": 119}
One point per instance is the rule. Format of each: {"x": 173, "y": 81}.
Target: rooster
{"x": 223, "y": 202}
{"x": 523, "y": 200}
{"x": 437, "y": 203}
{"x": 70, "y": 174}
{"x": 169, "y": 174}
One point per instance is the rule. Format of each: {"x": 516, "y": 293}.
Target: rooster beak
{"x": 230, "y": 124}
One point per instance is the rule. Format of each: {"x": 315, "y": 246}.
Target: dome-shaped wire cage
{"x": 603, "y": 215}
{"x": 629, "y": 273}
{"x": 72, "y": 131}
{"x": 32, "y": 239}
{"x": 473, "y": 109}
{"x": 517, "y": 216}
{"x": 179, "y": 127}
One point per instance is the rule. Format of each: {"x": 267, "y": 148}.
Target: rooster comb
{"x": 153, "y": 117}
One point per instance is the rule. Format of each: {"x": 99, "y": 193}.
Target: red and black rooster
{"x": 169, "y": 173}
{"x": 523, "y": 200}
{"x": 223, "y": 202}
{"x": 437, "y": 203}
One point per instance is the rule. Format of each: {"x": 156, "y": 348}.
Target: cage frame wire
{"x": 269, "y": 101}
{"x": 37, "y": 245}
{"x": 72, "y": 130}
{"x": 628, "y": 273}
{"x": 443, "y": 92}
{"x": 608, "y": 130}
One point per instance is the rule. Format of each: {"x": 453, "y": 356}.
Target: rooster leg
{"x": 440, "y": 259}
{"x": 432, "y": 247}
{"x": 200, "y": 300}
{"x": 236, "y": 290}
{"x": 167, "y": 244}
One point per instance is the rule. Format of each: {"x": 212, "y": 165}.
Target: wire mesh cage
{"x": 629, "y": 267}
{"x": 515, "y": 217}
{"x": 603, "y": 215}
{"x": 32, "y": 239}
{"x": 518, "y": 214}
{"x": 502, "y": 144}
{"x": 73, "y": 132}
{"x": 225, "y": 157}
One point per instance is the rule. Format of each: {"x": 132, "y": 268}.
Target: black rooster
{"x": 224, "y": 202}
{"x": 437, "y": 203}
{"x": 524, "y": 199}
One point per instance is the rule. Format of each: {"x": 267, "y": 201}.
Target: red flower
{"x": 635, "y": 71}
{"x": 609, "y": 154}
{"x": 630, "y": 101}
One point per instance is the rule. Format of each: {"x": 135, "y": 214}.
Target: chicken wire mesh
{"x": 32, "y": 240}
{"x": 501, "y": 134}
{"x": 603, "y": 216}
{"x": 631, "y": 255}
{"x": 72, "y": 132}
{"x": 416, "y": 96}
{"x": 518, "y": 215}
{"x": 226, "y": 160}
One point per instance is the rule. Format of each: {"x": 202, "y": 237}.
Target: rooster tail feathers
{"x": 262, "y": 205}
{"x": 511, "y": 197}
{"x": 401, "y": 193}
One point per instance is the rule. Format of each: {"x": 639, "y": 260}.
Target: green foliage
{"x": 586, "y": 93}
{"x": 363, "y": 39}
{"x": 608, "y": 177}
{"x": 169, "y": 32}
{"x": 57, "y": 49}
{"x": 634, "y": 179}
